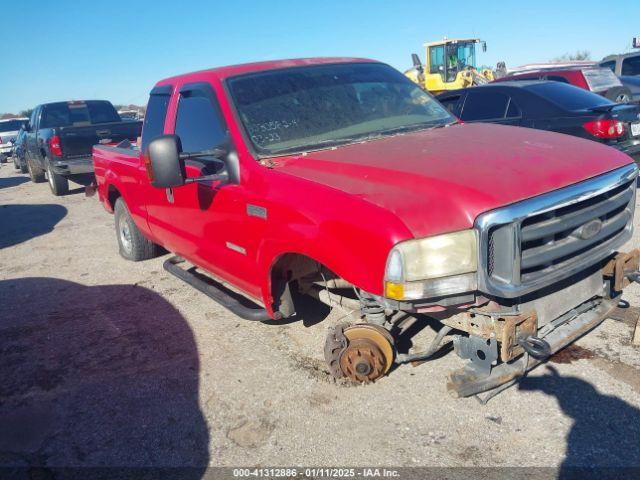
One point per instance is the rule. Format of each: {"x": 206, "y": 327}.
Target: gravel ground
{"x": 106, "y": 362}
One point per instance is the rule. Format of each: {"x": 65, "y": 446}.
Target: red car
{"x": 341, "y": 179}
{"x": 586, "y": 75}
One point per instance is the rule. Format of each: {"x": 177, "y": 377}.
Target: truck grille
{"x": 534, "y": 243}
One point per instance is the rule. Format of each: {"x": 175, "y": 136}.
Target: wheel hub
{"x": 125, "y": 235}
{"x": 362, "y": 353}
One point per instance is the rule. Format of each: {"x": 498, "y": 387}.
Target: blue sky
{"x": 118, "y": 49}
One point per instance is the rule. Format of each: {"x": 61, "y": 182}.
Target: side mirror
{"x": 165, "y": 168}
{"x": 416, "y": 61}
{"x": 165, "y": 165}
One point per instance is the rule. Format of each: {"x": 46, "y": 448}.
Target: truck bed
{"x": 78, "y": 141}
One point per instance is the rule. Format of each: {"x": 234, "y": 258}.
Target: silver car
{"x": 9, "y": 129}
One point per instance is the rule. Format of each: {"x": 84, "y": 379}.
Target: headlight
{"x": 433, "y": 266}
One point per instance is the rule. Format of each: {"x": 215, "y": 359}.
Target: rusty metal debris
{"x": 467, "y": 381}
{"x": 619, "y": 267}
{"x": 505, "y": 328}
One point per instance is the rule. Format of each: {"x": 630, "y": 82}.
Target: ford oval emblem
{"x": 589, "y": 229}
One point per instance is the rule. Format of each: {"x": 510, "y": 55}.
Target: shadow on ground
{"x": 19, "y": 223}
{"x": 605, "y": 431}
{"x": 8, "y": 182}
{"x": 103, "y": 376}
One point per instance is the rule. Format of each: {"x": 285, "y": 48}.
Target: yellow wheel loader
{"x": 450, "y": 64}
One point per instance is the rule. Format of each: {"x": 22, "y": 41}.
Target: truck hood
{"x": 440, "y": 180}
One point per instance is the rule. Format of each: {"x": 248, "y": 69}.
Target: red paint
{"x": 343, "y": 207}
{"x": 572, "y": 76}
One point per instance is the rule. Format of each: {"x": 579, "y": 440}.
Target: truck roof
{"x": 233, "y": 70}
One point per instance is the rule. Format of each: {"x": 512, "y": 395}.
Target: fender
{"x": 335, "y": 245}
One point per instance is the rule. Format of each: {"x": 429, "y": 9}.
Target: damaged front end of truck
{"x": 529, "y": 279}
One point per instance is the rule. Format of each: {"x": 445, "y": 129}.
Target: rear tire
{"x": 132, "y": 243}
{"x": 618, "y": 94}
{"x": 36, "y": 174}
{"x": 16, "y": 165}
{"x": 59, "y": 185}
{"x": 23, "y": 168}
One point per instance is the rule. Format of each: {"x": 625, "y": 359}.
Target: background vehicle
{"x": 60, "y": 137}
{"x": 552, "y": 106}
{"x": 132, "y": 115}
{"x": 580, "y": 74}
{"x": 627, "y": 64}
{"x": 18, "y": 152}
{"x": 8, "y": 132}
{"x": 449, "y": 64}
{"x": 633, "y": 84}
{"x": 342, "y": 179}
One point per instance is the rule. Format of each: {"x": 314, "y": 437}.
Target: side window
{"x": 198, "y": 122}
{"x": 451, "y": 103}
{"x": 33, "y": 118}
{"x": 484, "y": 106}
{"x": 556, "y": 78}
{"x": 153, "y": 126}
{"x": 436, "y": 59}
{"x": 513, "y": 111}
{"x": 631, "y": 66}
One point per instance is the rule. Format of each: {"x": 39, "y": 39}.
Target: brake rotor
{"x": 362, "y": 352}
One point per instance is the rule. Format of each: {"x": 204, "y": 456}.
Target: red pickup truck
{"x": 341, "y": 179}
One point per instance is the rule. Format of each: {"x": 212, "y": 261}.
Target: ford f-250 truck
{"x": 60, "y": 137}
{"x": 342, "y": 179}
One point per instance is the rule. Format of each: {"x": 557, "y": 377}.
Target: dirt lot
{"x": 107, "y": 362}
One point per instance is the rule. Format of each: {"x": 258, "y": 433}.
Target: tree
{"x": 26, "y": 113}
{"x": 571, "y": 57}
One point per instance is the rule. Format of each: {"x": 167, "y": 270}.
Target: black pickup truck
{"x": 60, "y": 136}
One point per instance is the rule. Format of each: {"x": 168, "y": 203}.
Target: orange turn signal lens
{"x": 394, "y": 290}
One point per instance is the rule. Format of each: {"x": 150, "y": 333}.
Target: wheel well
{"x": 112, "y": 195}
{"x": 291, "y": 273}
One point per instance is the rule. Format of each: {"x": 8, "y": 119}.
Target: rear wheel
{"x": 35, "y": 173}
{"x": 59, "y": 184}
{"x": 16, "y": 165}
{"x": 132, "y": 244}
{"x": 619, "y": 94}
{"x": 23, "y": 167}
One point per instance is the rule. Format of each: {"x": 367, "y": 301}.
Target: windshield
{"x": 466, "y": 54}
{"x": 11, "y": 125}
{"x": 600, "y": 79}
{"x": 299, "y": 109}
{"x": 568, "y": 96}
{"x": 78, "y": 113}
